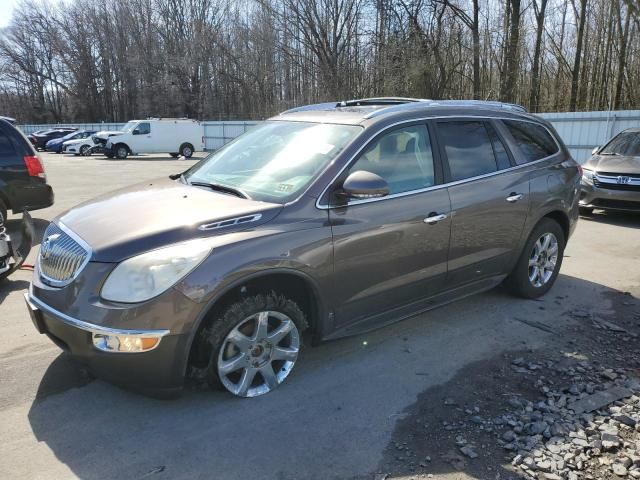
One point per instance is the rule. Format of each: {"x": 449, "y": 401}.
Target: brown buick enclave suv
{"x": 324, "y": 221}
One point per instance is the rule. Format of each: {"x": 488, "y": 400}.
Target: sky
{"x": 6, "y": 8}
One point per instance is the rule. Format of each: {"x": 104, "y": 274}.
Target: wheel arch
{"x": 301, "y": 286}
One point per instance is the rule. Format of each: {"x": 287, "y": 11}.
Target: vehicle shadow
{"x": 339, "y": 414}
{"x": 610, "y": 217}
{"x": 8, "y": 286}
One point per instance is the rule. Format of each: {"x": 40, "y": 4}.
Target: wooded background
{"x": 114, "y": 60}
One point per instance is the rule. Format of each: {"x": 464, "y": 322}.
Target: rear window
{"x": 534, "y": 140}
{"x": 6, "y": 146}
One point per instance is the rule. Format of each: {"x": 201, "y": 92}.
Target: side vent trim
{"x": 231, "y": 222}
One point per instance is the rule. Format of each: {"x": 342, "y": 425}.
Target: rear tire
{"x": 186, "y": 150}
{"x": 3, "y": 212}
{"x": 540, "y": 261}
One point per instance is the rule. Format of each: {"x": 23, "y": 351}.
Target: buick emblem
{"x": 623, "y": 180}
{"x": 47, "y": 245}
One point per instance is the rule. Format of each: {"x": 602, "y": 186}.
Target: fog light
{"x": 124, "y": 343}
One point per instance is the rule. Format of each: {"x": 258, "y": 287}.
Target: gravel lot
{"x": 483, "y": 388}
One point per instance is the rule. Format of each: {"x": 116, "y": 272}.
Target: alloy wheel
{"x": 543, "y": 259}
{"x": 258, "y": 354}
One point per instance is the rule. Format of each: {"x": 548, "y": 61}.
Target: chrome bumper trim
{"x": 90, "y": 327}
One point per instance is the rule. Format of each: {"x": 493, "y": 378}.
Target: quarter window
{"x": 534, "y": 140}
{"x": 403, "y": 157}
{"x": 469, "y": 149}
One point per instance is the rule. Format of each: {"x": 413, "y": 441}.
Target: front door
{"x": 488, "y": 207}
{"x": 140, "y": 140}
{"x": 388, "y": 254}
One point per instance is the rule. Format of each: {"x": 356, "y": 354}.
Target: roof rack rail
{"x": 361, "y": 102}
{"x": 451, "y": 103}
{"x": 378, "y": 101}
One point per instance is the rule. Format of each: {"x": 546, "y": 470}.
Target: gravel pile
{"x": 587, "y": 430}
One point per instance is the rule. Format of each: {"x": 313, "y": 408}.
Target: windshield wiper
{"x": 221, "y": 188}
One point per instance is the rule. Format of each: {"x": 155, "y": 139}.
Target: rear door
{"x": 386, "y": 256}
{"x": 489, "y": 199}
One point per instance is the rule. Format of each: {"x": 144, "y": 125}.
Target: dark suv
{"x": 323, "y": 221}
{"x": 23, "y": 182}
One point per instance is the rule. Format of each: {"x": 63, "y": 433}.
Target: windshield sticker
{"x": 284, "y": 187}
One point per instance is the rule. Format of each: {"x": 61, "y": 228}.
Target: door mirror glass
{"x": 362, "y": 184}
{"x": 595, "y": 150}
{"x": 136, "y": 132}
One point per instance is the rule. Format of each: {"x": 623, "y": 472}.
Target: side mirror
{"x": 595, "y": 150}
{"x": 363, "y": 184}
{"x": 136, "y": 132}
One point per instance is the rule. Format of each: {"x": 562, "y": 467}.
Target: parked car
{"x": 611, "y": 178}
{"x": 56, "y": 144}
{"x": 23, "y": 182}
{"x": 325, "y": 222}
{"x": 99, "y": 141}
{"x": 40, "y": 139}
{"x": 178, "y": 136}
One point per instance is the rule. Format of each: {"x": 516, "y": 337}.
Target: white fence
{"x": 581, "y": 131}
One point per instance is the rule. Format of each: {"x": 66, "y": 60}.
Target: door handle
{"x": 514, "y": 197}
{"x": 434, "y": 218}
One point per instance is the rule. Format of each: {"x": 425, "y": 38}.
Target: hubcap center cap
{"x": 257, "y": 351}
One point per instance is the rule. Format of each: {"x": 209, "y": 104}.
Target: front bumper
{"x": 592, "y": 196}
{"x": 159, "y": 371}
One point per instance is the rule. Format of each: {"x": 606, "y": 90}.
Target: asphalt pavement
{"x": 334, "y": 416}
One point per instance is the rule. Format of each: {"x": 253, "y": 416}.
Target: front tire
{"x": 121, "y": 151}
{"x": 540, "y": 261}
{"x": 84, "y": 150}
{"x": 254, "y": 344}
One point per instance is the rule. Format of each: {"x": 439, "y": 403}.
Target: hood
{"x": 154, "y": 214}
{"x": 614, "y": 164}
{"x": 107, "y": 133}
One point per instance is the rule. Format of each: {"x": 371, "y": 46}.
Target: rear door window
{"x": 469, "y": 149}
{"x": 535, "y": 141}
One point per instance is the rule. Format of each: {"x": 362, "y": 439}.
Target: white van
{"x": 177, "y": 136}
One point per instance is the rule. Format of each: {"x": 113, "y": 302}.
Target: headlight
{"x": 587, "y": 175}
{"x": 143, "y": 277}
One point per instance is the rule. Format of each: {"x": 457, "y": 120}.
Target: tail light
{"x": 34, "y": 166}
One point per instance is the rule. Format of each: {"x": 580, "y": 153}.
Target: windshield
{"x": 275, "y": 160}
{"x": 129, "y": 126}
{"x": 624, "y": 144}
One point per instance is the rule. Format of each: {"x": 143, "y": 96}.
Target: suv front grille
{"x": 61, "y": 257}
{"x": 613, "y": 181}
